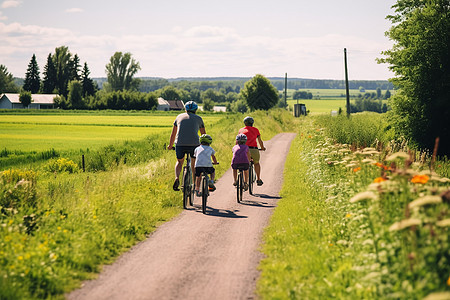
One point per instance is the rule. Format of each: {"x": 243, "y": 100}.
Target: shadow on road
{"x": 266, "y": 196}
{"x": 223, "y": 213}
{"x": 257, "y": 203}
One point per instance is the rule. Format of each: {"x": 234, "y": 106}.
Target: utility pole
{"x": 285, "y": 90}
{"x": 346, "y": 83}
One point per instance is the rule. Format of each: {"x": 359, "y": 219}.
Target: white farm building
{"x": 39, "y": 101}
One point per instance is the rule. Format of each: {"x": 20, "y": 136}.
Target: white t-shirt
{"x": 203, "y": 156}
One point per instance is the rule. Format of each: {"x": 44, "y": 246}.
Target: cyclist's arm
{"x": 202, "y": 130}
{"x": 261, "y": 144}
{"x": 214, "y": 159}
{"x": 172, "y": 137}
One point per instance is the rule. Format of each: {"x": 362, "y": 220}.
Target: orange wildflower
{"x": 381, "y": 166}
{"x": 379, "y": 179}
{"x": 420, "y": 179}
{"x": 448, "y": 281}
{"x": 356, "y": 169}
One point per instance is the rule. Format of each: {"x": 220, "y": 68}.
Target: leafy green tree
{"x": 120, "y": 71}
{"x": 240, "y": 106}
{"x": 75, "y": 96}
{"x": 378, "y": 93}
{"x": 49, "y": 81}
{"x": 32, "y": 80}
{"x": 387, "y": 95}
{"x": 25, "y": 98}
{"x": 62, "y": 60}
{"x": 170, "y": 93}
{"x": 89, "y": 87}
{"x": 7, "y": 84}
{"x": 260, "y": 93}
{"x": 208, "y": 104}
{"x": 420, "y": 60}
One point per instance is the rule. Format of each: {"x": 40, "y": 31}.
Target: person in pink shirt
{"x": 253, "y": 138}
{"x": 241, "y": 159}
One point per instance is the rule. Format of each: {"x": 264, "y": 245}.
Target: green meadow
{"x": 64, "y": 132}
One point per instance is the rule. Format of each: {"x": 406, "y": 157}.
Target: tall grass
{"x": 357, "y": 223}
{"x": 58, "y": 225}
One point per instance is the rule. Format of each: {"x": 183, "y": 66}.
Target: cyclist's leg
{"x": 254, "y": 153}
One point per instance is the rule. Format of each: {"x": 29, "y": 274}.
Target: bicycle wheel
{"x": 191, "y": 189}
{"x": 251, "y": 178}
{"x": 205, "y": 193}
{"x": 238, "y": 187}
{"x": 186, "y": 185}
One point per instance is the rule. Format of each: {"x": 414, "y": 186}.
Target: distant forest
{"x": 149, "y": 84}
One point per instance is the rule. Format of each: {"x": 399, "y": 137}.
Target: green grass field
{"x": 64, "y": 132}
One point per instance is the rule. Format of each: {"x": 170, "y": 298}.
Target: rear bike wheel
{"x": 186, "y": 186}
{"x": 205, "y": 193}
{"x": 191, "y": 189}
{"x": 238, "y": 187}
{"x": 251, "y": 178}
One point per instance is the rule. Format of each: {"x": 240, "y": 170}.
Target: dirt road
{"x": 197, "y": 256}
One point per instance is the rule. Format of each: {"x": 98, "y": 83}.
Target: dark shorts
{"x": 243, "y": 166}
{"x": 182, "y": 150}
{"x": 200, "y": 170}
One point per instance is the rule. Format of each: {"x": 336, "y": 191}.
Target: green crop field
{"x": 63, "y": 132}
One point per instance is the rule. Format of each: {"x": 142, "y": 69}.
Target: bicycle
{"x": 240, "y": 185}
{"x": 188, "y": 183}
{"x": 252, "y": 176}
{"x": 205, "y": 189}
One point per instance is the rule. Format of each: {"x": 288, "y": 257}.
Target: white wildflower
{"x": 368, "y": 195}
{"x": 402, "y": 155}
{"x": 443, "y": 223}
{"x": 404, "y": 224}
{"x": 425, "y": 201}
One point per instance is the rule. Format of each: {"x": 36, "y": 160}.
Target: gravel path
{"x": 197, "y": 256}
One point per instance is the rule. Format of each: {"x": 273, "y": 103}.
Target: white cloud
{"x": 74, "y": 10}
{"x": 2, "y": 17}
{"x": 10, "y": 3}
{"x": 199, "y": 51}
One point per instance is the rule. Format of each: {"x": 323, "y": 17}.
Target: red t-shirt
{"x": 252, "y": 133}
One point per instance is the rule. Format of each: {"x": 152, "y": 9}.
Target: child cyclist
{"x": 203, "y": 155}
{"x": 241, "y": 159}
{"x": 253, "y": 135}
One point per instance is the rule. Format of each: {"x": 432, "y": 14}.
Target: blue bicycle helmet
{"x": 248, "y": 121}
{"x": 191, "y": 106}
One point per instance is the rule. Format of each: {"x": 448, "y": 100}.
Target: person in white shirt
{"x": 203, "y": 163}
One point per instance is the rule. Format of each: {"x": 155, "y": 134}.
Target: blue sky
{"x": 203, "y": 38}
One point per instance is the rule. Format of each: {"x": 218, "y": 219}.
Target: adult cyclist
{"x": 185, "y": 136}
{"x": 253, "y": 138}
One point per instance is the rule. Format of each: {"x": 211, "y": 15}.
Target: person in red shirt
{"x": 253, "y": 138}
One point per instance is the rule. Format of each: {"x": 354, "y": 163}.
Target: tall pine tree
{"x": 49, "y": 81}
{"x": 87, "y": 83}
{"x": 32, "y": 80}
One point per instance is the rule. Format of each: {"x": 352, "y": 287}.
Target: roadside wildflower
{"x": 364, "y": 196}
{"x": 425, "y": 200}
{"x": 381, "y": 166}
{"x": 401, "y": 155}
{"x": 356, "y": 169}
{"x": 348, "y": 215}
{"x": 404, "y": 224}
{"x": 368, "y": 160}
{"x": 379, "y": 179}
{"x": 448, "y": 281}
{"x": 443, "y": 223}
{"x": 420, "y": 179}
{"x": 438, "y": 296}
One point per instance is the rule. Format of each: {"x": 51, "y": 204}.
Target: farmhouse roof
{"x": 161, "y": 101}
{"x": 37, "y": 98}
{"x": 176, "y": 104}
